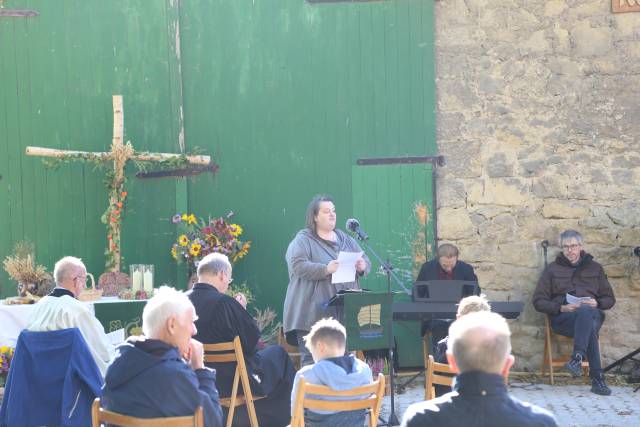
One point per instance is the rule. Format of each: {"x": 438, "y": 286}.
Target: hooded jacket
{"x": 337, "y": 373}
{"x": 310, "y": 286}
{"x": 585, "y": 279}
{"x": 148, "y": 378}
{"x": 52, "y": 381}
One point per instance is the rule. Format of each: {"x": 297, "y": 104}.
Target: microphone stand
{"x": 388, "y": 269}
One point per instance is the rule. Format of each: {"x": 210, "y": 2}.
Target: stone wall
{"x": 538, "y": 118}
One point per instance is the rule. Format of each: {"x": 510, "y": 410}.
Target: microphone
{"x": 545, "y": 244}
{"x": 354, "y": 226}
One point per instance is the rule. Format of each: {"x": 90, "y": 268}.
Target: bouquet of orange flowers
{"x": 199, "y": 238}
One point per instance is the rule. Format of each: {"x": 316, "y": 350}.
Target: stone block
{"x": 560, "y": 209}
{"x": 478, "y": 251}
{"x": 596, "y": 222}
{"x": 589, "y": 41}
{"x": 502, "y": 228}
{"x": 536, "y": 43}
{"x": 489, "y": 211}
{"x": 503, "y": 192}
{"x": 616, "y": 271}
{"x": 452, "y": 194}
{"x": 498, "y": 166}
{"x": 553, "y": 8}
{"x": 561, "y": 40}
{"x": 550, "y": 186}
{"x": 454, "y": 224}
{"x": 462, "y": 158}
{"x": 625, "y": 214}
{"x": 523, "y": 254}
{"x": 630, "y": 237}
{"x": 600, "y": 237}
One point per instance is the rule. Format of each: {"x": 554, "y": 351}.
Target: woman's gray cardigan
{"x": 310, "y": 288}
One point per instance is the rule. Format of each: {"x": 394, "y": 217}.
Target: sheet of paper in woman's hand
{"x": 346, "y": 272}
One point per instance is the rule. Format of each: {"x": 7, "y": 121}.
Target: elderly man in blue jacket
{"x": 162, "y": 373}
{"x": 480, "y": 353}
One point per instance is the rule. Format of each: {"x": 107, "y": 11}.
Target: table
{"x": 112, "y": 312}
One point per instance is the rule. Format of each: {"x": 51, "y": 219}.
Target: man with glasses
{"x": 574, "y": 291}
{"x": 220, "y": 319}
{"x": 61, "y": 310}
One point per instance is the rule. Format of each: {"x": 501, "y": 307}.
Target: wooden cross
{"x": 120, "y": 153}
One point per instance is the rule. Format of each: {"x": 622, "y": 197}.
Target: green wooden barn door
{"x": 394, "y": 205}
{"x": 58, "y": 71}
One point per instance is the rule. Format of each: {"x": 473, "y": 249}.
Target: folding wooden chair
{"x": 374, "y": 391}
{"x": 434, "y": 373}
{"x": 549, "y": 361}
{"x": 100, "y": 415}
{"x": 232, "y": 352}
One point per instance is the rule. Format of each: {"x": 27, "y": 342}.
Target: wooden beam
{"x": 18, "y": 13}
{"x": 145, "y": 157}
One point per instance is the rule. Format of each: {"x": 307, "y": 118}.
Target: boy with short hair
{"x": 327, "y": 343}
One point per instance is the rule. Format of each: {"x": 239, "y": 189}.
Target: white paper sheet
{"x": 116, "y": 337}
{"x": 346, "y": 271}
{"x": 576, "y": 300}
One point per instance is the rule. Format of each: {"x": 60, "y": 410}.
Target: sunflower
{"x": 183, "y": 240}
{"x": 191, "y": 219}
{"x": 174, "y": 252}
{"x": 195, "y": 249}
{"x": 235, "y": 230}
{"x": 184, "y": 216}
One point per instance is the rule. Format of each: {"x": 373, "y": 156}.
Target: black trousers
{"x": 276, "y": 372}
{"x": 305, "y": 355}
{"x": 583, "y": 326}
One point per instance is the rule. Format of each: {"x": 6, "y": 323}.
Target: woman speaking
{"x": 312, "y": 259}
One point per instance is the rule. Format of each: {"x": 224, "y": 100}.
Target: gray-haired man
{"x": 480, "y": 353}
{"x": 575, "y": 273}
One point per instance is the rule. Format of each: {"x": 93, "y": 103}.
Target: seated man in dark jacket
{"x": 162, "y": 373}
{"x": 480, "y": 353}
{"x": 446, "y": 266}
{"x": 576, "y": 274}
{"x": 220, "y": 319}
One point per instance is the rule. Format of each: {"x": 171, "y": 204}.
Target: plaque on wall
{"x": 621, "y": 6}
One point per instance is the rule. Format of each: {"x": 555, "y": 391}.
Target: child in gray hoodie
{"x": 327, "y": 342}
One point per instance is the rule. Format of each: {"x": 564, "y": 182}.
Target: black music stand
{"x": 630, "y": 356}
{"x": 444, "y": 290}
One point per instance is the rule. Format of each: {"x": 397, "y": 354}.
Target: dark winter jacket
{"x": 148, "y": 379}
{"x": 461, "y": 271}
{"x": 479, "y": 400}
{"x": 585, "y": 279}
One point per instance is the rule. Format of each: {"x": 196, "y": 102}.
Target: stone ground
{"x": 572, "y": 404}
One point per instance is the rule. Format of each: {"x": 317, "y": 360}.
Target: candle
{"x": 148, "y": 280}
{"x": 136, "y": 280}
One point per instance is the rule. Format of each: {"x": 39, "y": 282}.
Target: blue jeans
{"x": 583, "y": 326}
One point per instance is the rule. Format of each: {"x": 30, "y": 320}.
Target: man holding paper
{"x": 322, "y": 261}
{"x": 574, "y": 291}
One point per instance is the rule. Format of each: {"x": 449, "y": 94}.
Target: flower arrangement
{"x": 199, "y": 238}
{"x": 6, "y": 354}
{"x": 21, "y": 266}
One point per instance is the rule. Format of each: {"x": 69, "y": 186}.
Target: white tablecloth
{"x": 13, "y": 319}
